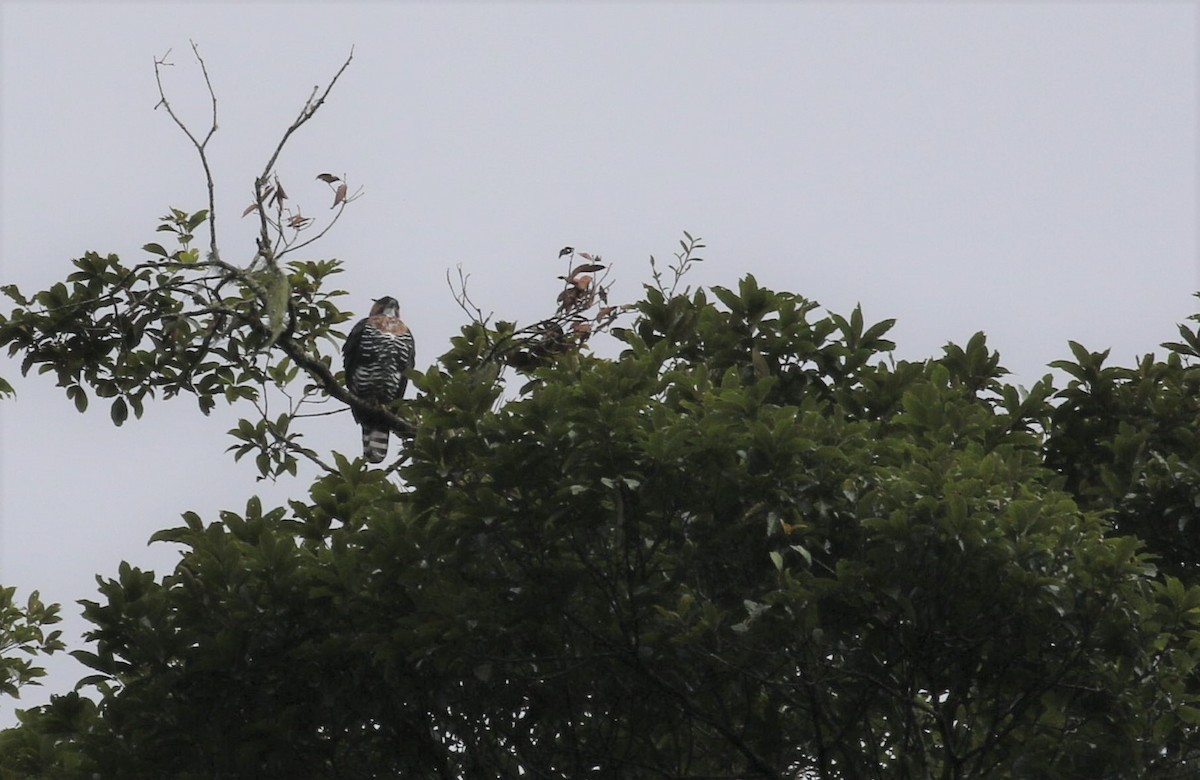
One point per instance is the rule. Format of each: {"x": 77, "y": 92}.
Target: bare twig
{"x": 313, "y": 103}
{"x": 329, "y": 413}
{"x": 200, "y": 146}
{"x": 463, "y": 299}
{"x": 292, "y": 248}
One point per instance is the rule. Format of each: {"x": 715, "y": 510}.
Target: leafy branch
{"x": 22, "y": 633}
{"x": 684, "y": 260}
{"x": 178, "y": 323}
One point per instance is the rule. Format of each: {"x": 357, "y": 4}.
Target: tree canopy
{"x": 750, "y": 545}
{"x": 753, "y": 544}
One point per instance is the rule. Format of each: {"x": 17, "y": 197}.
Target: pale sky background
{"x": 1026, "y": 169}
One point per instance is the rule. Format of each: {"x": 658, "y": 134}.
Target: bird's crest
{"x": 385, "y": 316}
{"x": 386, "y": 306}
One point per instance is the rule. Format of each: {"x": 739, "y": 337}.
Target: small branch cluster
{"x": 582, "y": 309}
{"x": 285, "y": 223}
{"x": 684, "y": 260}
{"x": 263, "y": 182}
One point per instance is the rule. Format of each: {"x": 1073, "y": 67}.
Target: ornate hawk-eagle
{"x": 377, "y": 353}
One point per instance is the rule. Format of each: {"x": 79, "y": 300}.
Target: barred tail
{"x": 375, "y": 444}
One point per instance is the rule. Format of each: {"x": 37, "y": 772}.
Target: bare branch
{"x": 200, "y": 146}
{"x": 341, "y": 208}
{"x": 313, "y": 103}
{"x": 329, "y": 413}
{"x": 463, "y": 299}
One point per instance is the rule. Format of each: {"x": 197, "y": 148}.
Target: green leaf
{"x": 196, "y": 220}
{"x": 77, "y": 394}
{"x": 175, "y": 535}
{"x": 1189, "y": 715}
{"x": 119, "y": 411}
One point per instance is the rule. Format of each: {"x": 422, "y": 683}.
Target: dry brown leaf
{"x": 587, "y": 268}
{"x": 567, "y": 299}
{"x": 328, "y": 178}
{"x": 340, "y": 196}
{"x": 251, "y": 207}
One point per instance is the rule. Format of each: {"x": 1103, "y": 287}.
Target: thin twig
{"x": 463, "y": 298}
{"x": 310, "y": 107}
{"x": 305, "y": 415}
{"x": 318, "y": 236}
{"x": 200, "y": 146}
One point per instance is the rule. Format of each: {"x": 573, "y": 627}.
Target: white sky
{"x": 1026, "y": 169}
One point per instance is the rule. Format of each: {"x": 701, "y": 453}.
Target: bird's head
{"x": 387, "y": 306}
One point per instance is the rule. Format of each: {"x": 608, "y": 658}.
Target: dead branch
{"x": 311, "y": 106}
{"x": 463, "y": 298}
{"x": 200, "y": 146}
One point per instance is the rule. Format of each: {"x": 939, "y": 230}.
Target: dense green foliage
{"x": 752, "y": 545}
{"x": 23, "y": 637}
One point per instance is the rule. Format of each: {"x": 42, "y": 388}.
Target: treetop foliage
{"x": 752, "y": 544}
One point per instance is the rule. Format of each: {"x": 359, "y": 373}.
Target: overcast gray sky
{"x": 1026, "y": 169}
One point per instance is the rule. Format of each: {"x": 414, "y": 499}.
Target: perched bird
{"x": 376, "y": 355}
